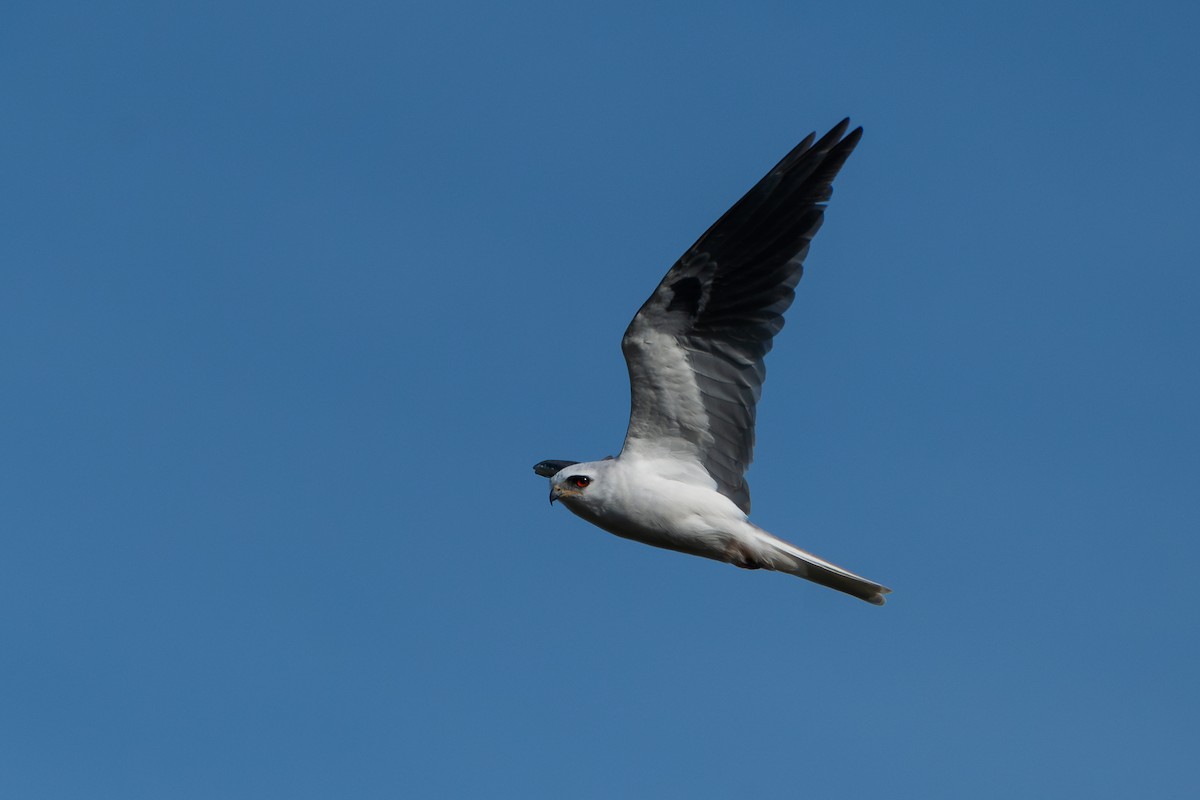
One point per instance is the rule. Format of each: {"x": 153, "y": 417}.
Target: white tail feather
{"x": 786, "y": 557}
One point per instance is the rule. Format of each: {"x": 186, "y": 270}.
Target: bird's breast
{"x": 662, "y": 512}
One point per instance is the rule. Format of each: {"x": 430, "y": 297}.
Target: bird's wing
{"x": 695, "y": 349}
{"x": 548, "y": 469}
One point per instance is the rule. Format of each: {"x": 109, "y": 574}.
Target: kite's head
{"x": 570, "y": 483}
{"x": 573, "y": 480}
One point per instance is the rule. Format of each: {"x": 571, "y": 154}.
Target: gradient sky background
{"x": 294, "y": 295}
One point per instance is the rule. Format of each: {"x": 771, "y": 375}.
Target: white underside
{"x": 673, "y": 503}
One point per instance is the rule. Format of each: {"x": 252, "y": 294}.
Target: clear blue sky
{"x": 294, "y": 295}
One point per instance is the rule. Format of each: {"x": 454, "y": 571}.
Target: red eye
{"x": 579, "y": 480}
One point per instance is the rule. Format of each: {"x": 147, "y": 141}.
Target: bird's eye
{"x": 579, "y": 480}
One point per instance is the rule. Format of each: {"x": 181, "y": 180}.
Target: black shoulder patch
{"x": 685, "y": 295}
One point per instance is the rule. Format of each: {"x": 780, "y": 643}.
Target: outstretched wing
{"x": 695, "y": 349}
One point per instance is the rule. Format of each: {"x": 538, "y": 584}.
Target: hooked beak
{"x": 558, "y": 492}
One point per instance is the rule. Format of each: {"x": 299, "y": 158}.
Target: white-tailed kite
{"x": 695, "y": 354}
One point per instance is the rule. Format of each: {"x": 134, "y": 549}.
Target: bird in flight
{"x": 695, "y": 355}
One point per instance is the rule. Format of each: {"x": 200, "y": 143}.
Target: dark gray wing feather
{"x": 548, "y": 469}
{"x": 695, "y": 349}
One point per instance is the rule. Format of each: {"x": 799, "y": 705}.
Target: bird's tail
{"x": 786, "y": 557}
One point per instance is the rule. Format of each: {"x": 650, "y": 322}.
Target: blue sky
{"x": 296, "y": 293}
